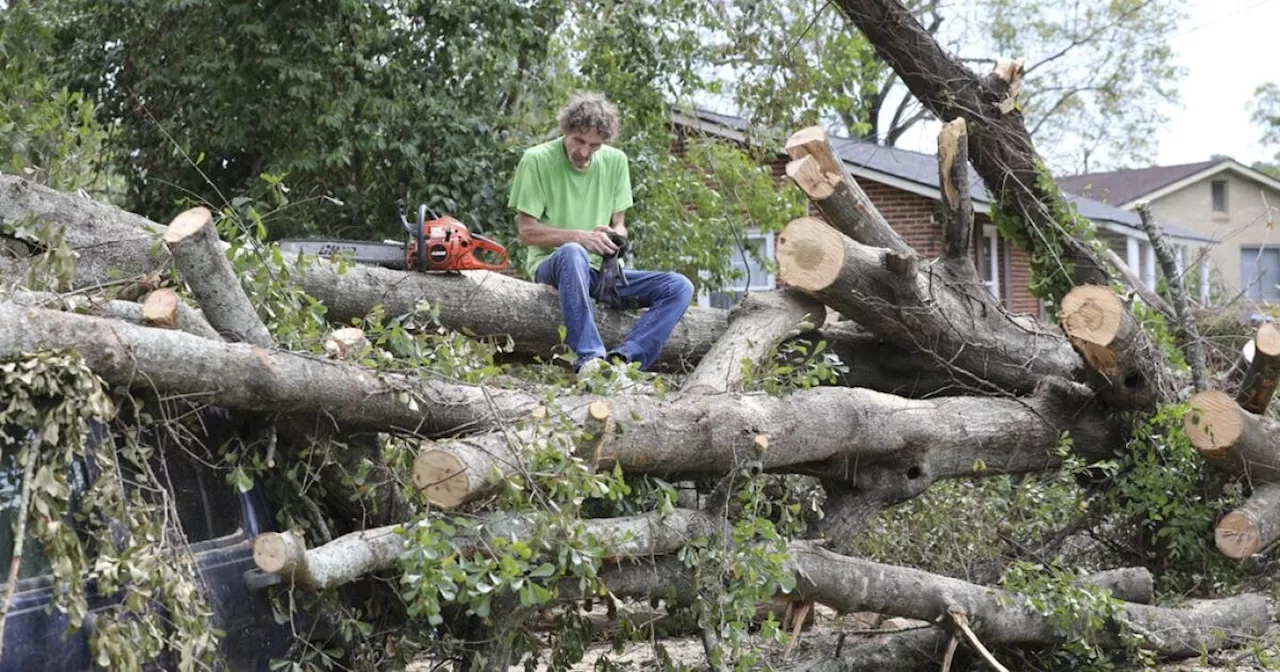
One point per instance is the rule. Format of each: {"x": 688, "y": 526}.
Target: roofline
{"x": 1225, "y": 164}
{"x": 910, "y": 186}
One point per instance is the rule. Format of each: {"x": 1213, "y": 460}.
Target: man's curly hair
{"x": 588, "y": 111}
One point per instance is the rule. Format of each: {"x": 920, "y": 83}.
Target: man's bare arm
{"x": 534, "y": 232}
{"x": 618, "y": 222}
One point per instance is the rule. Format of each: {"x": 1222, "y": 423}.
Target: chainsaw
{"x": 444, "y": 244}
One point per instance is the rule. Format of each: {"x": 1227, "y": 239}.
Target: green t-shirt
{"x": 548, "y": 188}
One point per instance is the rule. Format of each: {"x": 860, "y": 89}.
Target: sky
{"x": 1228, "y": 48}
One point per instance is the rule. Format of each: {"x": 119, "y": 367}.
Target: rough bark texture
{"x": 1253, "y": 526}
{"x": 1260, "y": 378}
{"x": 922, "y": 307}
{"x": 1127, "y": 369}
{"x": 352, "y": 556}
{"x": 190, "y": 320}
{"x": 957, "y": 204}
{"x": 999, "y": 145}
{"x": 249, "y": 378}
{"x": 193, "y": 241}
{"x": 1232, "y": 439}
{"x": 113, "y": 244}
{"x": 817, "y": 170}
{"x": 851, "y": 584}
{"x": 756, "y": 325}
{"x": 875, "y": 442}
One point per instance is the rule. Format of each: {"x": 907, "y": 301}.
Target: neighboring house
{"x": 1233, "y": 205}
{"x": 903, "y": 185}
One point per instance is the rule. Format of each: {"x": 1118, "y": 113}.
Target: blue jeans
{"x": 666, "y": 295}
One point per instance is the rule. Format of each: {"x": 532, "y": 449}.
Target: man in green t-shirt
{"x": 571, "y": 193}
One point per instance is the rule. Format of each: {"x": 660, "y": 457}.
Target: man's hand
{"x": 598, "y": 241}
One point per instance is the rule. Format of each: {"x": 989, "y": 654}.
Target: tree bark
{"x": 1253, "y": 526}
{"x": 249, "y": 378}
{"x": 352, "y": 556}
{"x": 957, "y": 203}
{"x": 193, "y": 241}
{"x": 756, "y": 326}
{"x": 872, "y": 441}
{"x": 190, "y": 319}
{"x": 1185, "y": 325}
{"x": 922, "y": 307}
{"x": 999, "y": 145}
{"x": 820, "y": 172}
{"x": 851, "y": 584}
{"x": 1264, "y": 371}
{"x": 112, "y": 243}
{"x": 1233, "y": 440}
{"x": 1127, "y": 369}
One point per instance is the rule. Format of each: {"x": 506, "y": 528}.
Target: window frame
{"x": 990, "y": 257}
{"x": 1251, "y": 283}
{"x": 1216, "y": 186}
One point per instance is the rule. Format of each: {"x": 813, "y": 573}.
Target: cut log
{"x": 1233, "y": 440}
{"x": 190, "y": 319}
{"x": 161, "y": 309}
{"x": 243, "y": 377}
{"x": 922, "y": 308}
{"x": 345, "y": 343}
{"x": 957, "y": 203}
{"x": 1253, "y": 526}
{"x": 819, "y": 172}
{"x": 354, "y": 555}
{"x": 1130, "y": 372}
{"x": 756, "y": 326}
{"x": 1000, "y": 147}
{"x": 892, "y": 446}
{"x": 1260, "y": 378}
{"x": 1185, "y": 324}
{"x": 193, "y": 241}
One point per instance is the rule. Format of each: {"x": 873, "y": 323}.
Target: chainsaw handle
{"x": 485, "y": 243}
{"x": 400, "y": 210}
{"x": 421, "y": 236}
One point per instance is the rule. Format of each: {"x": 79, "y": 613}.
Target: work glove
{"x": 612, "y": 274}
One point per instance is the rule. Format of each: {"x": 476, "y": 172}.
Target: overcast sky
{"x": 1228, "y": 48}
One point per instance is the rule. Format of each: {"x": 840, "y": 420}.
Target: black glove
{"x": 612, "y": 274}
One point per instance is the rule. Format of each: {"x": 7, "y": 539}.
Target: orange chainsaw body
{"x": 447, "y": 245}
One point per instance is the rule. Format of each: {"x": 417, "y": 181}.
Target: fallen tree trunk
{"x": 998, "y": 617}
{"x": 1233, "y": 440}
{"x": 1184, "y": 324}
{"x": 999, "y": 145}
{"x": 249, "y": 378}
{"x": 1253, "y": 526}
{"x": 893, "y": 446}
{"x": 756, "y": 326}
{"x": 112, "y": 244}
{"x": 922, "y": 307}
{"x": 1260, "y": 378}
{"x": 350, "y": 557}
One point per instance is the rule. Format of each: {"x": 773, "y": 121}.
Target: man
{"x": 571, "y": 193}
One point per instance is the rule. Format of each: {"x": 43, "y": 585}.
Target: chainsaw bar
{"x": 387, "y": 255}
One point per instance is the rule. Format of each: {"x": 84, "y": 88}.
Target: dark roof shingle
{"x": 1121, "y": 186}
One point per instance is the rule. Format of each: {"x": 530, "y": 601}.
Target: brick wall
{"x": 911, "y": 215}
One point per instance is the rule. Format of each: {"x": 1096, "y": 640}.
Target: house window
{"x": 755, "y": 275}
{"x": 1260, "y": 273}
{"x": 988, "y": 260}
{"x": 1219, "y": 188}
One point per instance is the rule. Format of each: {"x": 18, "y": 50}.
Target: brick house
{"x": 903, "y": 185}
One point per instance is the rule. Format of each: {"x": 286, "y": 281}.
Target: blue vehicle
{"x": 220, "y": 524}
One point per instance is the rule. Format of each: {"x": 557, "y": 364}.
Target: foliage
{"x": 1051, "y": 273}
{"x": 48, "y": 133}
{"x": 1098, "y": 73}
{"x": 1265, "y": 107}
{"x": 1095, "y": 635}
{"x": 798, "y": 364}
{"x": 94, "y": 529}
